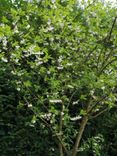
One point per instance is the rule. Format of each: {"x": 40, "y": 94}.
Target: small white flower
{"x": 4, "y": 41}
{"x": 41, "y": 53}
{"x": 2, "y": 25}
{"x": 60, "y": 67}
{"x": 60, "y": 59}
{"x": 16, "y": 60}
{"x": 70, "y": 86}
{"x": 50, "y": 28}
{"x": 54, "y": 6}
{"x": 103, "y": 88}
{"x": 33, "y": 121}
{"x": 13, "y": 72}
{"x": 61, "y": 25}
{"x": 48, "y": 72}
{"x": 53, "y": 1}
{"x": 46, "y": 43}
{"x": 75, "y": 102}
{"x": 62, "y": 113}
{"x": 92, "y": 92}
{"x": 46, "y": 116}
{"x": 75, "y": 118}
{"x": 69, "y": 26}
{"x": 31, "y": 48}
{"x": 17, "y": 47}
{"x": 4, "y": 59}
{"x": 30, "y": 105}
{"x": 28, "y": 26}
{"x": 69, "y": 64}
{"x": 51, "y": 39}
{"x": 27, "y": 17}
{"x": 39, "y": 62}
{"x": 49, "y": 22}
{"x": 55, "y": 101}
{"x": 16, "y": 29}
{"x": 22, "y": 41}
{"x": 18, "y": 89}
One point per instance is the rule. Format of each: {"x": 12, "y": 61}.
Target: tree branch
{"x": 98, "y": 114}
{"x": 111, "y": 30}
{"x": 88, "y": 56}
{"x": 54, "y": 134}
{"x": 98, "y": 102}
{"x": 60, "y": 130}
{"x": 81, "y": 130}
{"x": 104, "y": 67}
{"x": 71, "y": 98}
{"x": 79, "y": 135}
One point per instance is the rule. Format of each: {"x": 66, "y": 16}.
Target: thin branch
{"x": 55, "y": 134}
{"x": 60, "y": 129}
{"x": 90, "y": 4}
{"x": 98, "y": 102}
{"x": 111, "y": 30}
{"x": 85, "y": 8}
{"x": 88, "y": 56}
{"x": 109, "y": 63}
{"x": 104, "y": 97}
{"x": 98, "y": 114}
{"x": 71, "y": 98}
{"x": 107, "y": 57}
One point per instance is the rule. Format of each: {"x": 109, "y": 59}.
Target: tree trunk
{"x": 60, "y": 130}
{"x": 79, "y": 135}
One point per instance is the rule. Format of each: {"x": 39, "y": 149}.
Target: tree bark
{"x": 79, "y": 135}
{"x": 60, "y": 130}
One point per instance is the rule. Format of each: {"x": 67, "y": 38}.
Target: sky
{"x": 112, "y": 2}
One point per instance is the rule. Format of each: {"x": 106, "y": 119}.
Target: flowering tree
{"x": 63, "y": 58}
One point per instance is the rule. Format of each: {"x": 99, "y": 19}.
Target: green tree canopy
{"x": 63, "y": 60}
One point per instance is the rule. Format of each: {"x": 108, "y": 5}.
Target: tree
{"x": 64, "y": 59}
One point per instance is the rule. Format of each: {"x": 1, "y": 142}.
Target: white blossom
{"x": 16, "y": 29}
{"x": 39, "y": 63}
{"x": 48, "y": 72}
{"x": 2, "y": 25}
{"x": 53, "y": 1}
{"x": 28, "y": 26}
{"x": 30, "y": 105}
{"x": 55, "y": 101}
{"x": 17, "y": 47}
{"x": 75, "y": 102}
{"x": 46, "y": 116}
{"x": 4, "y": 59}
{"x": 76, "y": 118}
{"x": 4, "y": 41}
{"x": 60, "y": 67}
{"x": 70, "y": 86}
{"x": 61, "y": 25}
{"x": 50, "y": 28}
{"x": 22, "y": 41}
{"x": 18, "y": 89}
{"x": 103, "y": 88}
{"x": 49, "y": 22}
{"x": 69, "y": 64}
{"x": 60, "y": 59}
{"x": 27, "y": 17}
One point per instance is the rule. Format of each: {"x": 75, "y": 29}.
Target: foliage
{"x": 61, "y": 62}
